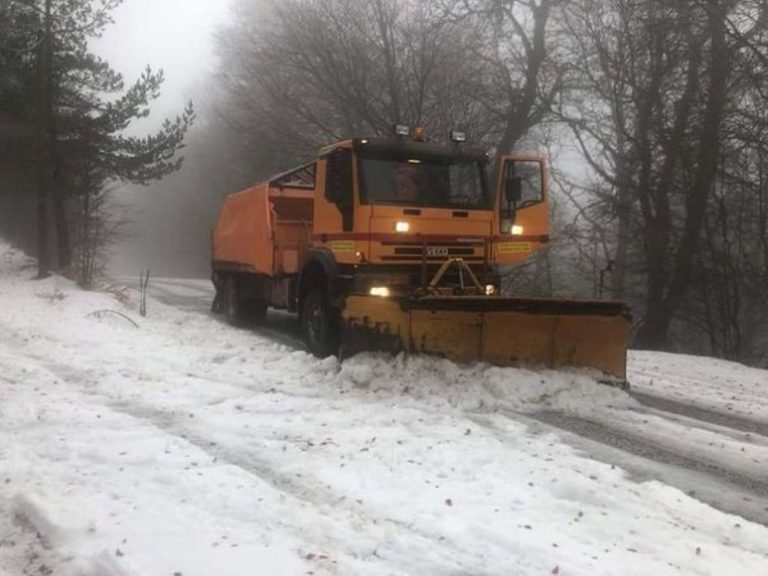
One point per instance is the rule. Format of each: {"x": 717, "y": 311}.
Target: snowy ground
{"x": 186, "y": 447}
{"x": 702, "y": 382}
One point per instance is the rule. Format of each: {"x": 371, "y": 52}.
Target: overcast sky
{"x": 175, "y": 35}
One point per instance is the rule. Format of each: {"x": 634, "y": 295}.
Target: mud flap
{"x": 499, "y": 331}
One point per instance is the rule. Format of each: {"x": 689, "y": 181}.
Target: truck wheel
{"x": 255, "y": 311}
{"x": 232, "y": 305}
{"x": 320, "y": 325}
{"x": 217, "y": 306}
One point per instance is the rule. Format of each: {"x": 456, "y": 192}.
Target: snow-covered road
{"x": 186, "y": 447}
{"x": 703, "y": 436}
{"x": 196, "y": 295}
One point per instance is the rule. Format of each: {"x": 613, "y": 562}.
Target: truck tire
{"x": 320, "y": 324}
{"x": 217, "y": 305}
{"x": 255, "y": 310}
{"x": 233, "y": 307}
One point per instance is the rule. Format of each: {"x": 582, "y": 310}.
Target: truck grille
{"x": 435, "y": 253}
{"x": 441, "y": 251}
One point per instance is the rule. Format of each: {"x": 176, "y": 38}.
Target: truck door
{"x": 522, "y": 220}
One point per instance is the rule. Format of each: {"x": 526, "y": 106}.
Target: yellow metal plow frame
{"x": 500, "y": 331}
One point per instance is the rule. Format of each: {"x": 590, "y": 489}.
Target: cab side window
{"x": 529, "y": 181}
{"x": 338, "y": 185}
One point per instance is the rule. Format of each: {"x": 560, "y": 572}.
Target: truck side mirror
{"x": 513, "y": 189}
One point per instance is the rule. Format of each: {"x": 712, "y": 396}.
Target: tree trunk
{"x": 623, "y": 238}
{"x": 63, "y": 247}
{"x": 43, "y": 260}
{"x": 653, "y": 334}
{"x": 43, "y": 144}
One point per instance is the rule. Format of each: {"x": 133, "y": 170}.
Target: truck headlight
{"x": 402, "y": 227}
{"x": 490, "y": 290}
{"x": 517, "y": 230}
{"x": 380, "y": 291}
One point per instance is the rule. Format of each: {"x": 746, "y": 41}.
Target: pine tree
{"x": 81, "y": 109}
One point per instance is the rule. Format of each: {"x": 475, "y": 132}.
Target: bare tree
{"x": 97, "y": 224}
{"x": 651, "y": 115}
{"x": 299, "y": 73}
{"x": 728, "y": 302}
{"x": 519, "y": 51}
{"x": 302, "y": 73}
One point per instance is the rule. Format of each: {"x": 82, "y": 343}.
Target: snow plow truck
{"x": 396, "y": 244}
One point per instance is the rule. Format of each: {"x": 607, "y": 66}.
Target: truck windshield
{"x": 429, "y": 182}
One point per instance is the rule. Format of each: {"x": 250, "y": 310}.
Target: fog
{"x": 177, "y": 36}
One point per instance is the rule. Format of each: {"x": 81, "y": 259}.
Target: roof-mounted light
{"x": 402, "y": 130}
{"x": 458, "y": 136}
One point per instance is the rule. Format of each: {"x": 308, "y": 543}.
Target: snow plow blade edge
{"x": 499, "y": 331}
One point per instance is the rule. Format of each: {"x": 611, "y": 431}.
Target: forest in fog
{"x": 654, "y": 116}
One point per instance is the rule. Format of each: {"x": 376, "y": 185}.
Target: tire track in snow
{"x": 748, "y": 495}
{"x": 706, "y": 408}
{"x": 703, "y": 414}
{"x": 321, "y": 498}
{"x": 23, "y": 549}
{"x": 280, "y": 326}
{"x": 168, "y": 422}
{"x": 345, "y": 514}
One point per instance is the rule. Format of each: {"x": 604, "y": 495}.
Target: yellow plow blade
{"x": 499, "y": 331}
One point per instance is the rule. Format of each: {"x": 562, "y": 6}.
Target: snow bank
{"x": 444, "y": 384}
